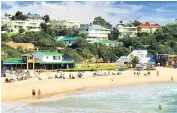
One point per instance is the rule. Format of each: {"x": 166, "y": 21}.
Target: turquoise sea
{"x": 142, "y": 98}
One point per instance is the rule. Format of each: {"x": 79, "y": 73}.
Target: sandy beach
{"x": 23, "y": 89}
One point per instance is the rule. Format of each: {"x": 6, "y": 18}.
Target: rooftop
{"x": 148, "y": 25}
{"x": 13, "y": 61}
{"x": 33, "y": 15}
{"x": 125, "y": 26}
{"x": 50, "y": 53}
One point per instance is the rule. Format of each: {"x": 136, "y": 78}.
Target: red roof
{"x": 148, "y": 25}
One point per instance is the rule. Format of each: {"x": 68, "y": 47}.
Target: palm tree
{"x": 121, "y": 21}
{"x": 134, "y": 60}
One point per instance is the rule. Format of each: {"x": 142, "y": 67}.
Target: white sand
{"x": 23, "y": 89}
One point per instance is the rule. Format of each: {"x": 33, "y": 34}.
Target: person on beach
{"x": 157, "y": 73}
{"x": 39, "y": 94}
{"x": 134, "y": 73}
{"x": 33, "y": 92}
{"x": 160, "y": 108}
{"x": 111, "y": 79}
{"x": 172, "y": 79}
{"x": 149, "y": 73}
{"x": 63, "y": 77}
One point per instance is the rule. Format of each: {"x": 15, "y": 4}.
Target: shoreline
{"x": 86, "y": 89}
{"x": 50, "y": 87}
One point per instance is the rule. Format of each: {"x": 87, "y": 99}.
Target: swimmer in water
{"x": 160, "y": 108}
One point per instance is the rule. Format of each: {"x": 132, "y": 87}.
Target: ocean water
{"x": 142, "y": 98}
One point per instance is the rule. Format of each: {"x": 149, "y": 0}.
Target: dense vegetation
{"x": 163, "y": 41}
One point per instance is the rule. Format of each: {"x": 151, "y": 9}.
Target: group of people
{"x": 106, "y": 73}
{"x": 138, "y": 73}
{"x": 62, "y": 76}
{"x": 34, "y": 93}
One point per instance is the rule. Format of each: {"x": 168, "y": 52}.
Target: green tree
{"x": 134, "y": 60}
{"x": 44, "y": 27}
{"x": 4, "y": 28}
{"x": 60, "y": 44}
{"x": 121, "y": 21}
{"x": 69, "y": 52}
{"x": 21, "y": 30}
{"x": 66, "y": 32}
{"x": 19, "y": 16}
{"x": 114, "y": 35}
{"x": 46, "y": 18}
{"x": 136, "y": 22}
{"x": 142, "y": 34}
{"x": 100, "y": 21}
{"x": 79, "y": 43}
{"x": 83, "y": 36}
{"x": 5, "y": 38}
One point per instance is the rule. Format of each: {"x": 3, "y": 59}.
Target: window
{"x": 125, "y": 62}
{"x": 47, "y": 57}
{"x": 141, "y": 55}
{"x": 54, "y": 58}
{"x": 59, "y": 58}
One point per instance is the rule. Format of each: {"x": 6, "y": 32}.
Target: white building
{"x": 48, "y": 56}
{"x": 122, "y": 61}
{"x": 141, "y": 54}
{"x": 67, "y": 24}
{"x": 94, "y": 32}
{"x": 127, "y": 31}
{"x": 4, "y": 20}
{"x": 32, "y": 23}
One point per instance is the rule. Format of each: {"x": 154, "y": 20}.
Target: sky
{"x": 152, "y": 12}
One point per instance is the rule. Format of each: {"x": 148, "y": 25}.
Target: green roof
{"x": 51, "y": 53}
{"x": 13, "y": 61}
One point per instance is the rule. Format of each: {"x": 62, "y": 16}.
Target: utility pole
{"x": 98, "y": 52}
{"x": 132, "y": 43}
